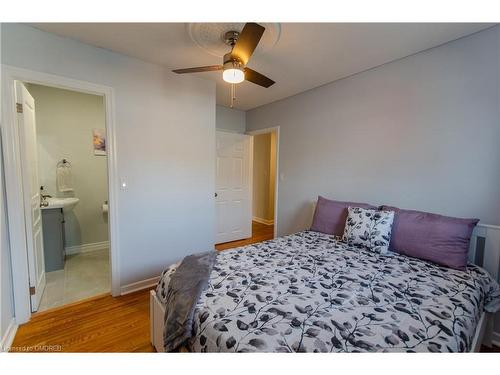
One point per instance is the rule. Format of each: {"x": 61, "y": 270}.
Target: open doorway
{"x": 65, "y": 189}
{"x": 233, "y": 189}
{"x": 246, "y": 187}
{"x": 264, "y": 185}
{"x": 21, "y": 216}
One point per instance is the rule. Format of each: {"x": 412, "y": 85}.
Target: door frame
{"x": 32, "y": 194}
{"x": 14, "y": 178}
{"x": 276, "y": 130}
{"x": 250, "y": 177}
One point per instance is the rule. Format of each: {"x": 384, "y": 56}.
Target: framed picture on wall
{"x": 99, "y": 141}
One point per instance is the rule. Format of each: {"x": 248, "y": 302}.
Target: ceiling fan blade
{"x": 198, "y": 69}
{"x": 257, "y": 78}
{"x": 247, "y": 42}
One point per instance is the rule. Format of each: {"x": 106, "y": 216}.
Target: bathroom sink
{"x": 67, "y": 204}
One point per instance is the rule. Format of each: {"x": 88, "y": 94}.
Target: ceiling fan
{"x": 234, "y": 65}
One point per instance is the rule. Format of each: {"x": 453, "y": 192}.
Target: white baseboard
{"x": 139, "y": 285}
{"x": 263, "y": 221}
{"x": 86, "y": 248}
{"x": 8, "y": 337}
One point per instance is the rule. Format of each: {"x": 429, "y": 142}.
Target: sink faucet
{"x": 43, "y": 198}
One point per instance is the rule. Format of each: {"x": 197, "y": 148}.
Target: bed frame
{"x": 156, "y": 321}
{"x": 484, "y": 251}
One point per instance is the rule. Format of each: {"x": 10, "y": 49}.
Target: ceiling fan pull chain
{"x": 233, "y": 94}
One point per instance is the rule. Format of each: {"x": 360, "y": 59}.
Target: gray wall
{"x": 165, "y": 128}
{"x": 422, "y": 132}
{"x": 64, "y": 121}
{"x": 232, "y": 120}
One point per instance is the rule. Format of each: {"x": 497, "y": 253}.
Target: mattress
{"x": 309, "y": 292}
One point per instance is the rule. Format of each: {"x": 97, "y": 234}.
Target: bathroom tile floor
{"x": 84, "y": 275}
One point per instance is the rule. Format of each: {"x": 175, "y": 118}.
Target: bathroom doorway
{"x": 25, "y": 270}
{"x": 64, "y": 157}
{"x": 16, "y": 182}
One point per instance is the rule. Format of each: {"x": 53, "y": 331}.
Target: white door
{"x": 233, "y": 181}
{"x": 31, "y": 192}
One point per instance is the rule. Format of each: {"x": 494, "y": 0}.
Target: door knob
{"x": 215, "y": 195}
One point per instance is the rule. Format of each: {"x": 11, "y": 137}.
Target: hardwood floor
{"x": 104, "y": 323}
{"x": 100, "y": 324}
{"x": 260, "y": 232}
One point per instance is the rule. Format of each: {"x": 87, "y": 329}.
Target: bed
{"x": 310, "y": 292}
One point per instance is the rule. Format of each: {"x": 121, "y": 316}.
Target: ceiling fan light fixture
{"x": 233, "y": 71}
{"x": 233, "y": 75}
{"x": 234, "y": 64}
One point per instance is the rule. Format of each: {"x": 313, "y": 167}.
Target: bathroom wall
{"x": 65, "y": 120}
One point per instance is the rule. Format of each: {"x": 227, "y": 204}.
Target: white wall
{"x": 422, "y": 132}
{"x": 165, "y": 145}
{"x": 65, "y": 120}
{"x": 232, "y": 120}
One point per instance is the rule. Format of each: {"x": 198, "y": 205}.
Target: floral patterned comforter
{"x": 308, "y": 292}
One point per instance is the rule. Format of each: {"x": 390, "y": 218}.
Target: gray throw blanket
{"x": 184, "y": 289}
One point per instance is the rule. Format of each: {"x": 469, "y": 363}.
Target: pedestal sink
{"x": 67, "y": 204}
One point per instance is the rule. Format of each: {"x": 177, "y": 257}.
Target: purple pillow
{"x": 440, "y": 239}
{"x": 330, "y": 216}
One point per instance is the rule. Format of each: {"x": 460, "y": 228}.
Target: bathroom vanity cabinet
{"x": 53, "y": 238}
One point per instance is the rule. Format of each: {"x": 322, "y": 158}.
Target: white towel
{"x": 64, "y": 178}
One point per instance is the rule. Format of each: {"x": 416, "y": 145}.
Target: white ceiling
{"x": 306, "y": 55}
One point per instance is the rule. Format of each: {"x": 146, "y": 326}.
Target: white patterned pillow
{"x": 369, "y": 228}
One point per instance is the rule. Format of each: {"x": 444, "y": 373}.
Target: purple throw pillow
{"x": 330, "y": 216}
{"x": 440, "y": 239}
